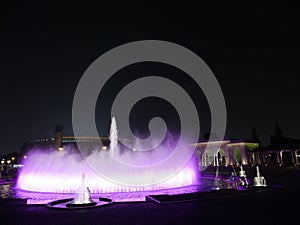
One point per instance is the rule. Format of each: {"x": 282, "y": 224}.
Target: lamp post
{"x": 1, "y": 172}
{"x": 7, "y": 169}
{"x": 13, "y": 165}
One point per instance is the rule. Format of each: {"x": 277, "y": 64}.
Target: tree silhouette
{"x": 272, "y": 138}
{"x": 255, "y": 135}
{"x": 59, "y": 128}
{"x": 278, "y": 133}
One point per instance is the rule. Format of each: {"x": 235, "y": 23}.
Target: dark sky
{"x": 45, "y": 49}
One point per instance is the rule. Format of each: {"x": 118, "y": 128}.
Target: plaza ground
{"x": 276, "y": 204}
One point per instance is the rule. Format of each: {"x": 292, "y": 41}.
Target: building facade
{"x": 225, "y": 152}
{"x": 282, "y": 151}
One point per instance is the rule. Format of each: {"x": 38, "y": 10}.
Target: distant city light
{"x": 60, "y": 149}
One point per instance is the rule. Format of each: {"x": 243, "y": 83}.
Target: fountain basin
{"x": 70, "y": 204}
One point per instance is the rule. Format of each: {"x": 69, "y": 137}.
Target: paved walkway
{"x": 275, "y": 206}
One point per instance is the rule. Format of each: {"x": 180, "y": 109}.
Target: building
{"x": 228, "y": 152}
{"x": 61, "y": 142}
{"x": 282, "y": 151}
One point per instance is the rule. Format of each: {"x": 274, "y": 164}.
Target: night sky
{"x": 45, "y": 49}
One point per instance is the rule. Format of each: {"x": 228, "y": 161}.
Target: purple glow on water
{"x": 61, "y": 172}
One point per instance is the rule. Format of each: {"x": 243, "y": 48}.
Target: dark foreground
{"x": 277, "y": 204}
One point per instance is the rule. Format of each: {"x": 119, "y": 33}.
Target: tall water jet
{"x": 216, "y": 185}
{"x": 113, "y": 136}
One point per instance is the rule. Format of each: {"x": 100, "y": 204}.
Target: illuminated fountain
{"x": 83, "y": 196}
{"x": 55, "y": 171}
{"x": 259, "y": 181}
{"x": 113, "y": 136}
{"x": 216, "y": 185}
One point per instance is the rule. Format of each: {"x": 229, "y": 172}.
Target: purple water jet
{"x": 60, "y": 171}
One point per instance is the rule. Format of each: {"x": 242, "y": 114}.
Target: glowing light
{"x": 60, "y": 149}
{"x": 18, "y": 165}
{"x": 204, "y": 144}
{"x": 58, "y": 173}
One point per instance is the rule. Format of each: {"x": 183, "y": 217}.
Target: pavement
{"x": 275, "y": 204}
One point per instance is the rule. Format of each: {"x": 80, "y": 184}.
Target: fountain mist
{"x": 58, "y": 171}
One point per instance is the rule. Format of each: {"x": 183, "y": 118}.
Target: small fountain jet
{"x": 243, "y": 177}
{"x": 83, "y": 196}
{"x": 259, "y": 181}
